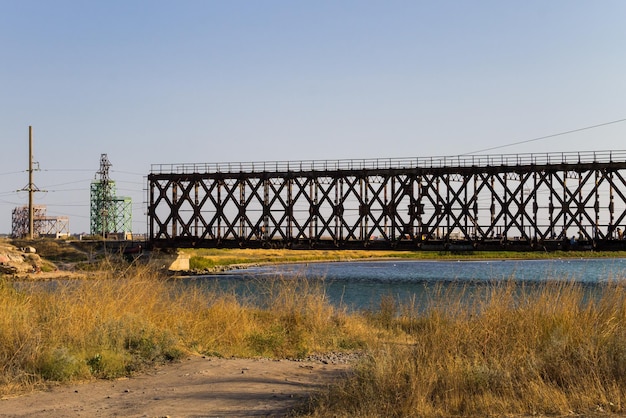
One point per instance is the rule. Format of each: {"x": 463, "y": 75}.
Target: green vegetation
{"x": 207, "y": 259}
{"x": 210, "y": 259}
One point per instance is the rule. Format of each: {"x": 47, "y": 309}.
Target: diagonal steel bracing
{"x": 523, "y": 200}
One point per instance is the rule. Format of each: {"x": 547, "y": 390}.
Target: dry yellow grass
{"x": 517, "y": 351}
{"x": 514, "y": 350}
{"x": 116, "y": 324}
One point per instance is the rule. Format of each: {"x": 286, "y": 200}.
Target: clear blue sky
{"x": 211, "y": 81}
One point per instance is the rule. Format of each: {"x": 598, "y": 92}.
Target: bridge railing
{"x": 394, "y": 163}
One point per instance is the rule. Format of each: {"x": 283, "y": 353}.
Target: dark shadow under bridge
{"x": 512, "y": 201}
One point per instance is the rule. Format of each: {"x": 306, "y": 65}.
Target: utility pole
{"x": 31, "y": 186}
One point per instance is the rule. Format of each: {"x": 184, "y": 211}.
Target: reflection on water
{"x": 360, "y": 285}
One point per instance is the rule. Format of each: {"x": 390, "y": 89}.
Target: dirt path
{"x": 195, "y": 387}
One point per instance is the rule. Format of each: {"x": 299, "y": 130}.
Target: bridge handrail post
{"x": 458, "y": 160}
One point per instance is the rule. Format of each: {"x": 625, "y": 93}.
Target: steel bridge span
{"x": 514, "y": 201}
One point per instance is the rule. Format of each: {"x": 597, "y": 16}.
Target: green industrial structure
{"x": 110, "y": 214}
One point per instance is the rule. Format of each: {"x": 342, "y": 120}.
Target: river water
{"x": 363, "y": 284}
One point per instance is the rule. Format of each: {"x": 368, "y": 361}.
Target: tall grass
{"x": 512, "y": 350}
{"x": 520, "y": 351}
{"x": 115, "y": 325}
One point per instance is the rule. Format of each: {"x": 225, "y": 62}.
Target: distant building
{"x": 43, "y": 226}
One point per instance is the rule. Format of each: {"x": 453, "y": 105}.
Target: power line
{"x": 130, "y": 182}
{"x": 12, "y": 172}
{"x": 61, "y": 170}
{"x": 69, "y": 182}
{"x": 65, "y": 190}
{"x": 10, "y": 203}
{"x": 10, "y": 192}
{"x": 546, "y": 137}
{"x": 69, "y": 205}
{"x": 129, "y": 172}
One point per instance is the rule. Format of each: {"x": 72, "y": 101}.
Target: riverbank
{"x": 44, "y": 259}
{"x": 204, "y": 261}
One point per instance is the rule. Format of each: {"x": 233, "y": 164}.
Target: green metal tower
{"x": 110, "y": 214}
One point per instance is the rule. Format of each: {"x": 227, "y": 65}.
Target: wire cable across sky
{"x": 546, "y": 137}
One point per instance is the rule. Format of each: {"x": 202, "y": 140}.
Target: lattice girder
{"x": 400, "y": 206}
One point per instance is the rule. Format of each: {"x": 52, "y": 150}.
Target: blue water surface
{"x": 362, "y": 284}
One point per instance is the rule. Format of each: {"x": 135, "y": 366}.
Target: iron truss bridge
{"x": 511, "y": 201}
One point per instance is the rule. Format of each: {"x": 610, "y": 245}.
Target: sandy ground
{"x": 194, "y": 387}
